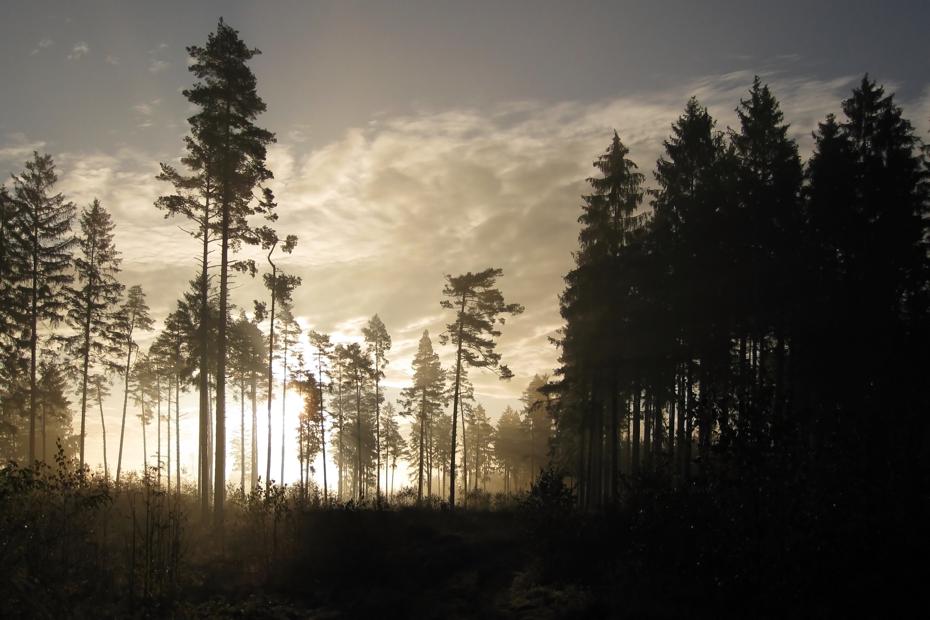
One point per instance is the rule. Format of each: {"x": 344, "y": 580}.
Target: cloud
{"x": 17, "y": 150}
{"x": 79, "y": 50}
{"x": 157, "y": 65}
{"x": 389, "y": 208}
{"x": 111, "y": 60}
{"x": 146, "y": 111}
{"x": 43, "y": 43}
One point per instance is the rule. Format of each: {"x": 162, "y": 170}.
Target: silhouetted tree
{"x": 133, "y": 317}
{"x": 45, "y": 221}
{"x": 423, "y": 399}
{"x": 92, "y": 301}
{"x": 379, "y": 343}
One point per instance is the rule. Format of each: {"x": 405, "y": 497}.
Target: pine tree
{"x": 422, "y": 400}
{"x": 247, "y": 359}
{"x": 91, "y": 302}
{"x": 324, "y": 350}
{"x": 290, "y": 332}
{"x": 45, "y": 221}
{"x": 224, "y": 125}
{"x": 133, "y": 317}
{"x": 379, "y": 343}
{"x": 477, "y": 305}
{"x": 281, "y": 286}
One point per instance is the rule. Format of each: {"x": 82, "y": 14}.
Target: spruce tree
{"x": 423, "y": 399}
{"x": 45, "y": 221}
{"x": 92, "y": 301}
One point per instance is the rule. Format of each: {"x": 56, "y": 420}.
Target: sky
{"x": 418, "y": 139}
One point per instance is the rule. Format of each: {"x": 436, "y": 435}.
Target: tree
{"x": 227, "y": 151}
{"x": 478, "y": 306}
{"x": 46, "y": 234}
{"x": 768, "y": 190}
{"x": 508, "y": 447}
{"x": 359, "y": 370}
{"x": 281, "y": 286}
{"x": 13, "y": 268}
{"x": 309, "y": 439}
{"x": 423, "y": 399}
{"x": 394, "y": 446}
{"x": 537, "y": 421}
{"x": 482, "y": 442}
{"x": 601, "y": 296}
{"x": 133, "y": 317}
{"x": 91, "y": 302}
{"x": 56, "y": 413}
{"x": 247, "y": 358}
{"x": 379, "y": 342}
{"x": 290, "y": 332}
{"x": 176, "y": 349}
{"x": 324, "y": 348}
{"x": 340, "y": 380}
{"x": 101, "y": 385}
{"x": 143, "y": 380}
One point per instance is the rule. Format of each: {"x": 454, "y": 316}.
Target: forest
{"x": 737, "y": 426}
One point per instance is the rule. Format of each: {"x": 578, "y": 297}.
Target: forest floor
{"x": 391, "y": 564}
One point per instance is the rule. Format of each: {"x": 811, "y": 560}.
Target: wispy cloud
{"x": 79, "y": 50}
{"x": 385, "y": 211}
{"x": 43, "y": 43}
{"x": 147, "y": 109}
{"x": 17, "y": 149}
{"x": 111, "y": 60}
{"x": 157, "y": 66}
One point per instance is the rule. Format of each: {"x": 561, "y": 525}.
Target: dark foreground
{"x": 78, "y": 549}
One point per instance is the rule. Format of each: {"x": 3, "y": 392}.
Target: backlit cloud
{"x": 43, "y": 43}
{"x": 79, "y": 50}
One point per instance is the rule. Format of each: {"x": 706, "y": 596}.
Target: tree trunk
{"x": 283, "y": 402}
{"x": 322, "y": 426}
{"x": 253, "y": 462}
{"x": 203, "y": 470}
{"x": 637, "y": 395}
{"x": 614, "y": 445}
{"x": 122, "y": 429}
{"x": 455, "y": 403}
{"x": 219, "y": 487}
{"x": 103, "y": 432}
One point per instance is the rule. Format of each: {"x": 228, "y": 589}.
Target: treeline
{"x": 70, "y": 327}
{"x": 753, "y": 317}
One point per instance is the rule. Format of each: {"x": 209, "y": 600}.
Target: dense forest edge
{"x": 738, "y": 425}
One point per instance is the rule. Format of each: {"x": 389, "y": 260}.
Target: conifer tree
{"x": 45, "y": 224}
{"x": 290, "y": 332}
{"x": 477, "y": 304}
{"x": 379, "y": 343}
{"x": 92, "y": 301}
{"x": 224, "y": 125}
{"x": 133, "y": 317}
{"x": 422, "y": 400}
{"x": 324, "y": 350}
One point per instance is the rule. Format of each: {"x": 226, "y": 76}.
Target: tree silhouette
{"x": 133, "y": 317}
{"x": 477, "y": 305}
{"x": 423, "y": 399}
{"x": 45, "y": 221}
{"x": 379, "y": 343}
{"x": 92, "y": 300}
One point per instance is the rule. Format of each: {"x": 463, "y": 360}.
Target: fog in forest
{"x": 463, "y": 310}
